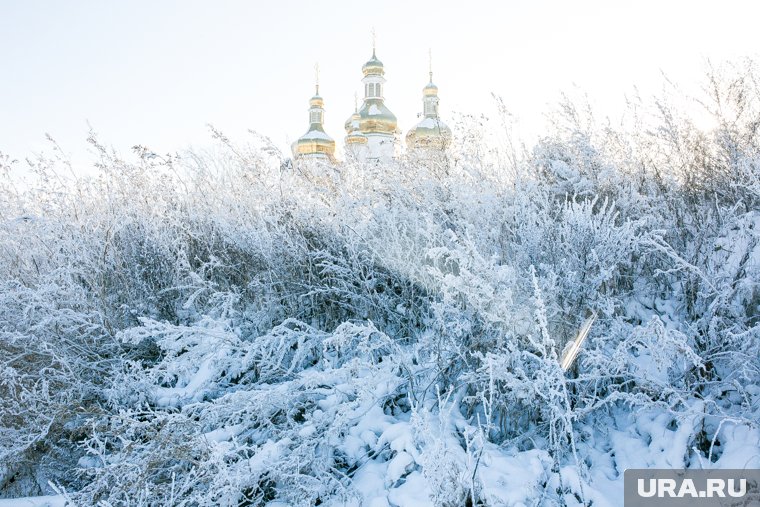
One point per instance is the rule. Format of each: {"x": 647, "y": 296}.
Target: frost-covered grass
{"x": 219, "y": 328}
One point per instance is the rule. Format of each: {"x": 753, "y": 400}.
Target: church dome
{"x": 373, "y": 66}
{"x": 429, "y": 133}
{"x": 375, "y": 117}
{"x": 316, "y": 101}
{"x": 430, "y": 90}
{"x": 314, "y": 142}
{"x": 353, "y": 127}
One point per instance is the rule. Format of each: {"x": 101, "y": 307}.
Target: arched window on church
{"x": 372, "y": 90}
{"x": 430, "y": 109}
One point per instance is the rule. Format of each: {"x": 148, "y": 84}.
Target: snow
{"x": 414, "y": 492}
{"x": 741, "y": 447}
{"x": 370, "y": 480}
{"x": 223, "y": 434}
{"x": 398, "y": 467}
{"x": 218, "y": 326}
{"x": 511, "y": 479}
{"x": 431, "y": 123}
{"x": 36, "y": 501}
{"x": 317, "y": 134}
{"x": 267, "y": 453}
{"x": 399, "y": 437}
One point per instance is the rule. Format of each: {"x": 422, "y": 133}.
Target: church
{"x": 372, "y": 133}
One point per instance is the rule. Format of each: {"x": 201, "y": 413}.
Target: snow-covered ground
{"x": 35, "y": 501}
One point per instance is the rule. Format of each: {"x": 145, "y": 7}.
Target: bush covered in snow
{"x": 220, "y": 328}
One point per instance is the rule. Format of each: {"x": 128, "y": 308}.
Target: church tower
{"x": 375, "y": 121}
{"x": 430, "y": 135}
{"x": 315, "y": 144}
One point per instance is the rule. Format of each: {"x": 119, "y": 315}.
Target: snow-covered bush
{"x": 223, "y": 328}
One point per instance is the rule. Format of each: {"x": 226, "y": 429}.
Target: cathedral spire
{"x": 356, "y": 142}
{"x": 430, "y": 64}
{"x": 315, "y": 143}
{"x": 430, "y": 92}
{"x": 316, "y": 78}
{"x": 431, "y": 132}
{"x": 376, "y": 123}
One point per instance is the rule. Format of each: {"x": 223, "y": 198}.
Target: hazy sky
{"x": 156, "y": 72}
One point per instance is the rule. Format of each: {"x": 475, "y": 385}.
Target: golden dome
{"x": 314, "y": 142}
{"x": 430, "y": 90}
{"x": 429, "y": 133}
{"x": 373, "y": 66}
{"x": 316, "y": 101}
{"x": 355, "y": 135}
{"x": 375, "y": 117}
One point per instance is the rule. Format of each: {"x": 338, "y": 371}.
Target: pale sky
{"x": 155, "y": 72}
